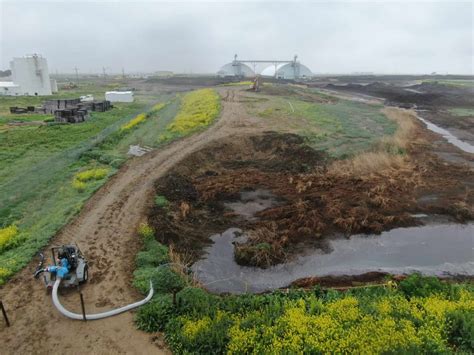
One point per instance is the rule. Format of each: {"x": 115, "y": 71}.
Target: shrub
{"x": 461, "y": 330}
{"x": 154, "y": 255}
{"x": 166, "y": 280}
{"x": 134, "y": 122}
{"x": 142, "y": 277}
{"x": 8, "y": 237}
{"x": 161, "y": 201}
{"x": 145, "y": 231}
{"x": 163, "y": 278}
{"x": 91, "y": 174}
{"x": 195, "y": 301}
{"x": 199, "y": 336}
{"x": 79, "y": 185}
{"x": 417, "y": 285}
{"x": 81, "y": 178}
{"x": 154, "y": 316}
{"x": 4, "y": 274}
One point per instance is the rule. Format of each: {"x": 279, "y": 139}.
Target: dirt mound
{"x": 177, "y": 188}
{"x": 425, "y": 95}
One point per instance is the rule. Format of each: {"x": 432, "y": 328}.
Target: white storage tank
{"x": 119, "y": 96}
{"x": 54, "y": 85}
{"x": 31, "y": 74}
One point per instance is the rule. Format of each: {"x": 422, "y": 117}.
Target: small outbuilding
{"x": 119, "y": 96}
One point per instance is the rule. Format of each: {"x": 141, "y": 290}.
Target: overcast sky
{"x": 329, "y": 37}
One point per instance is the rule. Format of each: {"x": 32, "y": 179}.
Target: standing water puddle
{"x": 431, "y": 250}
{"x": 448, "y": 136}
{"x": 252, "y": 202}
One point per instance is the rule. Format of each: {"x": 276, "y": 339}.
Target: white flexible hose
{"x": 110, "y": 313}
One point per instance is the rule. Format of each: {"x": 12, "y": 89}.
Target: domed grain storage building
{"x": 293, "y": 70}
{"x": 234, "y": 69}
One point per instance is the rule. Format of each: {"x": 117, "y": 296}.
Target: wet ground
{"x": 251, "y": 202}
{"x": 281, "y": 194}
{"x": 464, "y": 146}
{"x": 446, "y": 249}
{"x": 439, "y": 100}
{"x": 286, "y": 206}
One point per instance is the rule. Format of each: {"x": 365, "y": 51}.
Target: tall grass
{"x": 388, "y": 152}
{"x": 343, "y": 128}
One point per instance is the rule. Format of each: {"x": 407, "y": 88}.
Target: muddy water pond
{"x": 442, "y": 249}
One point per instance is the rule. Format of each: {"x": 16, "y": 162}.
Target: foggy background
{"x": 200, "y": 37}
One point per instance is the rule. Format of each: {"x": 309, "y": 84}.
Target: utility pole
{"x": 103, "y": 71}
{"x": 123, "y": 73}
{"x": 77, "y": 74}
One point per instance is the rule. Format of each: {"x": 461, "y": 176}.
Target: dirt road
{"x": 105, "y": 231}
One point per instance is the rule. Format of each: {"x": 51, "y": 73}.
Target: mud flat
{"x": 451, "y": 138}
{"x": 442, "y": 250}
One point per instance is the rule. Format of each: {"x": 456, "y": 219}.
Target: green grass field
{"x": 462, "y": 112}
{"x": 342, "y": 128}
{"x": 452, "y": 82}
{"x": 38, "y": 164}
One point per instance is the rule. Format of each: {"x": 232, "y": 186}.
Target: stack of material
{"x": 99, "y": 106}
{"x": 138, "y": 151}
{"x": 74, "y": 110}
{"x": 52, "y": 105}
{"x": 70, "y": 115}
{"x": 67, "y": 110}
{"x": 19, "y": 110}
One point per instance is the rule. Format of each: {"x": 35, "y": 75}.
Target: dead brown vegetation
{"x": 373, "y": 192}
{"x": 387, "y": 153}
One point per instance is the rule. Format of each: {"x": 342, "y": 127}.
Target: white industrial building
{"x": 289, "y": 71}
{"x": 30, "y": 76}
{"x": 119, "y": 96}
{"x": 280, "y": 69}
{"x": 234, "y": 69}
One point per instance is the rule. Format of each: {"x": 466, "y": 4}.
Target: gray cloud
{"x": 197, "y": 36}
